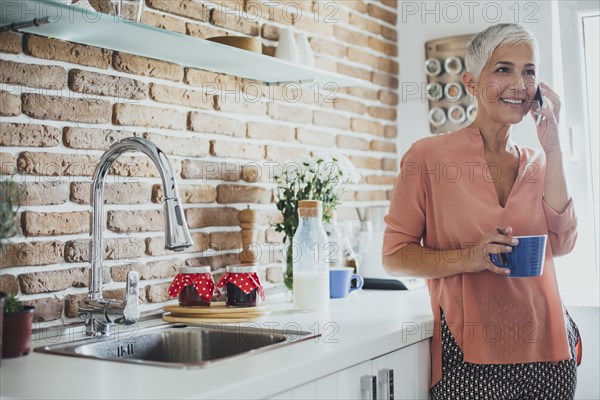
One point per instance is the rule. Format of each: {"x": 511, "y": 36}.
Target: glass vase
{"x": 289, "y": 264}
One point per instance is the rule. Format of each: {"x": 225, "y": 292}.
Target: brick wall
{"x": 63, "y": 104}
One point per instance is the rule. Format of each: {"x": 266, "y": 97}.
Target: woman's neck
{"x": 496, "y": 137}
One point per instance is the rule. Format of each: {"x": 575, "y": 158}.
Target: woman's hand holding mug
{"x": 497, "y": 241}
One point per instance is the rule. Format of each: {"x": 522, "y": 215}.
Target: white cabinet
{"x": 348, "y": 381}
{"x": 409, "y": 366}
{"x": 403, "y": 364}
{"x": 423, "y": 368}
{"x": 411, "y": 372}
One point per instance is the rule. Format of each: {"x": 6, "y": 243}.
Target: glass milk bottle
{"x": 311, "y": 269}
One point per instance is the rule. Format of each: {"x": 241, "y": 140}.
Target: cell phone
{"x": 540, "y": 103}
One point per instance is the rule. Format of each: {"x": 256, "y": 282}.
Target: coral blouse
{"x": 445, "y": 196}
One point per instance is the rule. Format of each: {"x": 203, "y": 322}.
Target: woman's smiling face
{"x": 507, "y": 84}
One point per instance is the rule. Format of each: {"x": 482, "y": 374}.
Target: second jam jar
{"x": 194, "y": 286}
{"x": 243, "y": 286}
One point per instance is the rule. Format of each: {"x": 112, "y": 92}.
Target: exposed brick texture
{"x": 114, "y": 193}
{"x": 43, "y": 193}
{"x": 158, "y": 293}
{"x": 117, "y": 87}
{"x": 135, "y": 221}
{"x": 207, "y": 123}
{"x": 31, "y": 253}
{"x": 311, "y": 136}
{"x": 205, "y": 217}
{"x": 52, "y": 281}
{"x": 188, "y": 194}
{"x": 204, "y": 31}
{"x": 28, "y": 134}
{"x": 152, "y": 270}
{"x": 351, "y": 142}
{"x": 52, "y": 164}
{"x": 147, "y": 67}
{"x": 288, "y": 113}
{"x": 258, "y": 130}
{"x": 63, "y": 104}
{"x": 281, "y": 153}
{"x": 184, "y": 8}
{"x": 53, "y": 224}
{"x": 226, "y": 19}
{"x": 102, "y": 139}
{"x": 210, "y": 80}
{"x": 209, "y": 170}
{"x": 237, "y": 150}
{"x": 46, "y": 309}
{"x": 10, "y": 42}
{"x": 380, "y": 180}
{"x": 8, "y": 164}
{"x": 66, "y": 109}
{"x": 10, "y": 104}
{"x": 378, "y": 12}
{"x": 380, "y": 145}
{"x": 366, "y": 162}
{"x": 164, "y": 22}
{"x": 367, "y": 126}
{"x": 391, "y": 131}
{"x": 155, "y": 246}
{"x": 174, "y": 95}
{"x": 127, "y": 248}
{"x": 215, "y": 262}
{"x": 151, "y": 117}
{"x": 225, "y": 240}
{"x": 390, "y": 164}
{"x": 60, "y": 50}
{"x": 9, "y": 284}
{"x": 227, "y": 194}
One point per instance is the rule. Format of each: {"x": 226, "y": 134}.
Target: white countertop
{"x": 360, "y": 327}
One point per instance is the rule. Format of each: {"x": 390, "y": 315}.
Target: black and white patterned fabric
{"x": 531, "y": 381}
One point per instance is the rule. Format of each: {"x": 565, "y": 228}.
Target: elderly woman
{"x": 466, "y": 195}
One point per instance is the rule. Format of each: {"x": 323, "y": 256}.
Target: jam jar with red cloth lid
{"x": 243, "y": 286}
{"x": 195, "y": 287}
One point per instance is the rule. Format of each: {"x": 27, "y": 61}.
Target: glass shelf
{"x": 86, "y": 26}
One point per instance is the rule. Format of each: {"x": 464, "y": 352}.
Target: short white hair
{"x": 482, "y": 46}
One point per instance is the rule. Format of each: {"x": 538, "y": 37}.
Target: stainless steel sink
{"x": 179, "y": 345}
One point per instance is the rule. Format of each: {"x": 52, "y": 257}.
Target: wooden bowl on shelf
{"x": 241, "y": 42}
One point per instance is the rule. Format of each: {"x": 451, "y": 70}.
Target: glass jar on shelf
{"x": 194, "y": 286}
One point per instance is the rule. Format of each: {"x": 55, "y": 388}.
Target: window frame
{"x": 580, "y": 283}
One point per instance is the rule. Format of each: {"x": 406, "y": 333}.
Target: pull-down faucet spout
{"x": 177, "y": 236}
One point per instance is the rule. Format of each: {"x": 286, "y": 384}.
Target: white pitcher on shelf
{"x": 307, "y": 57}
{"x": 287, "y": 49}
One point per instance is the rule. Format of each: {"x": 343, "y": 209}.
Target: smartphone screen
{"x": 538, "y": 98}
{"x": 540, "y": 103}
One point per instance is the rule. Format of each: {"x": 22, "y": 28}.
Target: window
{"x": 591, "y": 52}
{"x": 578, "y": 273}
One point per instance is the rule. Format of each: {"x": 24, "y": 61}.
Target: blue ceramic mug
{"x": 526, "y": 259}
{"x": 340, "y": 279}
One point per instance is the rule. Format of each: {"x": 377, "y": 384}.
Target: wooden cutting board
{"x": 168, "y": 317}
{"x": 217, "y": 309}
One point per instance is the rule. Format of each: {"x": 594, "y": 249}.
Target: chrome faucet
{"x": 99, "y": 313}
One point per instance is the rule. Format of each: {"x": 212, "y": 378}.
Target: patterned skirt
{"x": 530, "y": 381}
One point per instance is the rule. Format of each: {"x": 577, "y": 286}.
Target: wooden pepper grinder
{"x": 248, "y": 225}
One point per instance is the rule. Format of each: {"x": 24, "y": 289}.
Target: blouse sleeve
{"x": 562, "y": 228}
{"x": 405, "y": 221}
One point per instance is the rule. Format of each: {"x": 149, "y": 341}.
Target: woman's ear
{"x": 470, "y": 83}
